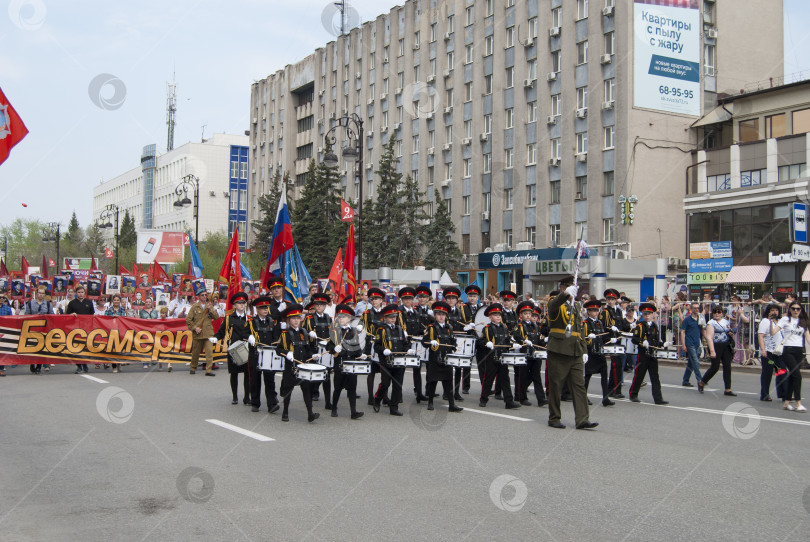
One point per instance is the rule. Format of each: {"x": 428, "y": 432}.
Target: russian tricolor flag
{"x": 282, "y": 237}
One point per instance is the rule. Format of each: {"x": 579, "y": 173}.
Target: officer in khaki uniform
{"x": 566, "y": 346}
{"x": 200, "y": 321}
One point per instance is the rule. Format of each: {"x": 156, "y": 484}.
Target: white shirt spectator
{"x": 770, "y": 341}
{"x": 792, "y": 332}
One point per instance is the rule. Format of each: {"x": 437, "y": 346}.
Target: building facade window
{"x": 609, "y": 137}
{"x": 607, "y": 230}
{"x": 607, "y": 183}
{"x": 554, "y": 235}
{"x": 554, "y": 192}
{"x": 582, "y": 52}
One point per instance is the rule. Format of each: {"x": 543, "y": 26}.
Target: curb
{"x": 734, "y": 367}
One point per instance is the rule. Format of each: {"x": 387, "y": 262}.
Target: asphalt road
{"x": 135, "y": 456}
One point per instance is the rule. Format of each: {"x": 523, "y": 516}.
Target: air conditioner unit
{"x": 578, "y": 196}
{"x": 345, "y": 112}
{"x": 398, "y": 91}
{"x": 582, "y": 112}
{"x": 446, "y": 73}
{"x": 529, "y": 42}
{"x": 384, "y": 128}
{"x": 370, "y": 133}
{"x": 607, "y": 105}
{"x": 552, "y": 76}
{"x": 343, "y": 173}
{"x": 397, "y": 125}
{"x": 607, "y": 11}
{"x": 448, "y": 109}
{"x": 552, "y": 119}
{"x": 262, "y": 142}
{"x": 554, "y": 162}
{"x": 447, "y": 36}
{"x": 616, "y": 254}
{"x": 415, "y": 46}
{"x": 431, "y": 78}
{"x": 213, "y": 194}
{"x": 446, "y": 182}
{"x": 429, "y": 116}
{"x": 485, "y": 216}
{"x": 528, "y": 83}
{"x": 370, "y": 101}
{"x": 466, "y": 141}
{"x": 711, "y": 33}
{"x": 554, "y": 31}
{"x": 369, "y": 166}
{"x": 320, "y": 150}
{"x": 524, "y": 245}
{"x": 582, "y": 157}
{"x": 431, "y": 150}
{"x": 384, "y": 96}
{"x": 385, "y": 60}
{"x": 333, "y": 116}
{"x": 255, "y": 120}
{"x": 675, "y": 262}
{"x": 483, "y": 137}
{"x": 270, "y": 139}
{"x": 447, "y": 146}
{"x": 320, "y": 120}
{"x": 226, "y": 194}
{"x": 605, "y": 59}
{"x": 320, "y": 93}
{"x": 358, "y": 75}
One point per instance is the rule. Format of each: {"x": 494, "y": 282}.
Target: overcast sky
{"x": 55, "y": 51}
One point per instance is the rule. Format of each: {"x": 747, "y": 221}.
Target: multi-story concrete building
{"x": 750, "y": 167}
{"x": 533, "y": 119}
{"x": 148, "y": 191}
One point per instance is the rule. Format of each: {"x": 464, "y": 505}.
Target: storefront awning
{"x": 749, "y": 274}
{"x": 721, "y": 113}
{"x": 806, "y": 274}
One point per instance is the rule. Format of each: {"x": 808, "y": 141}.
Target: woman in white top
{"x": 795, "y": 331}
{"x": 769, "y": 335}
{"x": 718, "y": 335}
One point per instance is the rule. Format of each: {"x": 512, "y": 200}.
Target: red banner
{"x": 346, "y": 211}
{"x": 95, "y": 339}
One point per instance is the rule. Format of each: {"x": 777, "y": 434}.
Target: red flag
{"x": 24, "y": 266}
{"x": 51, "y": 263}
{"x": 349, "y": 279}
{"x": 151, "y": 273}
{"x": 12, "y": 129}
{"x": 3, "y": 269}
{"x": 93, "y": 263}
{"x": 123, "y": 270}
{"x": 231, "y": 271}
{"x": 108, "y": 253}
{"x": 134, "y": 269}
{"x": 160, "y": 273}
{"x": 190, "y": 271}
{"x": 346, "y": 211}
{"x": 44, "y": 267}
{"x": 336, "y": 275}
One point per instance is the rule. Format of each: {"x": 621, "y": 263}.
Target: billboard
{"x": 666, "y": 67}
{"x": 704, "y": 251}
{"x": 164, "y": 247}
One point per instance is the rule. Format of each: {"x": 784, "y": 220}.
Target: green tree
{"x": 24, "y": 238}
{"x": 317, "y": 228}
{"x": 212, "y": 251}
{"x": 384, "y": 216}
{"x": 411, "y": 234}
{"x": 74, "y": 235}
{"x": 127, "y": 237}
{"x": 94, "y": 242}
{"x": 441, "y": 251}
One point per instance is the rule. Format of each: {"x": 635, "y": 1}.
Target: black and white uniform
{"x": 295, "y": 341}
{"x": 265, "y": 330}
{"x": 489, "y": 361}
{"x": 239, "y": 327}
{"x": 411, "y": 322}
{"x": 390, "y": 337}
{"x": 647, "y": 331}
{"x": 437, "y": 370}
{"x": 530, "y": 373}
{"x": 597, "y": 363}
{"x": 320, "y": 324}
{"x": 343, "y": 381}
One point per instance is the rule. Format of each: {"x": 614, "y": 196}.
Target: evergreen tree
{"x": 74, "y": 235}
{"x": 412, "y": 229}
{"x": 317, "y": 228}
{"x": 441, "y": 251}
{"x": 384, "y": 217}
{"x": 127, "y": 237}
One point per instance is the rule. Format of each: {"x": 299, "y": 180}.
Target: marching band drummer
{"x": 294, "y": 345}
{"x": 527, "y": 333}
{"x": 390, "y": 340}
{"x": 456, "y": 318}
{"x": 372, "y": 319}
{"x": 646, "y": 336}
{"x": 494, "y": 340}
{"x": 410, "y": 321}
{"x": 440, "y": 341}
{"x": 238, "y": 326}
{"x": 596, "y": 362}
{"x": 317, "y": 325}
{"x": 275, "y": 285}
{"x": 264, "y": 328}
{"x": 343, "y": 332}
{"x": 611, "y": 318}
{"x": 469, "y": 311}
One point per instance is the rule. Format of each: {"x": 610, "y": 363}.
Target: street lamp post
{"x": 353, "y": 127}
{"x": 190, "y": 183}
{"x": 105, "y": 221}
{"x": 53, "y": 235}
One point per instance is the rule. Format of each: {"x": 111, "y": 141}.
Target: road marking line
{"x": 245, "y": 432}
{"x": 507, "y": 416}
{"x": 94, "y": 379}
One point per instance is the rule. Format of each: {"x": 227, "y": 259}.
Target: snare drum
{"x": 405, "y": 361}
{"x": 612, "y": 349}
{"x": 513, "y": 358}
{"x": 666, "y": 354}
{"x": 325, "y": 358}
{"x": 457, "y": 360}
{"x": 269, "y": 360}
{"x": 355, "y": 367}
{"x": 421, "y": 351}
{"x": 465, "y": 346}
{"x": 539, "y": 354}
{"x": 239, "y": 352}
{"x": 310, "y": 371}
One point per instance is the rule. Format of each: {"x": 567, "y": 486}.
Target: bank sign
{"x": 704, "y": 266}
{"x": 667, "y": 56}
{"x": 515, "y": 258}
